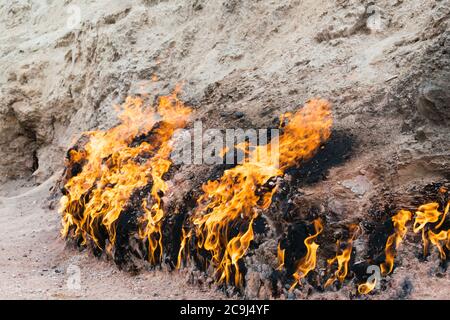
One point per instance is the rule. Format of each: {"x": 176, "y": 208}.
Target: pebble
{"x": 238, "y": 114}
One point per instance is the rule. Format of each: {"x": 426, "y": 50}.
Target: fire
{"x": 392, "y": 244}
{"x": 343, "y": 258}
{"x": 113, "y": 166}
{"x": 184, "y": 241}
{"x": 308, "y": 262}
{"x": 367, "y": 287}
{"x": 436, "y": 239}
{"x": 280, "y": 257}
{"x": 225, "y": 213}
{"x": 427, "y": 214}
{"x": 107, "y": 168}
{"x": 394, "y": 240}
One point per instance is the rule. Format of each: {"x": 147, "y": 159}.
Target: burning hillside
{"x": 115, "y": 186}
{"x": 236, "y": 183}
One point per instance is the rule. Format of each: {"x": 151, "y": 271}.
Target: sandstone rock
{"x": 434, "y": 100}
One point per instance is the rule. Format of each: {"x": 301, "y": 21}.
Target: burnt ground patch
{"x": 334, "y": 152}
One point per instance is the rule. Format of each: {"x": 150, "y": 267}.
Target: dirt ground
{"x": 35, "y": 262}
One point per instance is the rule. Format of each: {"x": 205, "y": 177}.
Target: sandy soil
{"x": 35, "y": 262}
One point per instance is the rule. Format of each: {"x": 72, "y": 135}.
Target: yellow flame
{"x": 426, "y": 214}
{"x": 184, "y": 241}
{"x": 308, "y": 262}
{"x": 367, "y": 287}
{"x": 280, "y": 257}
{"x": 343, "y": 258}
{"x": 392, "y": 244}
{"x": 394, "y": 240}
{"x": 235, "y": 199}
{"x": 437, "y": 238}
{"x": 111, "y": 171}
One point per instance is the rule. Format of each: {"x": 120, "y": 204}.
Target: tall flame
{"x": 280, "y": 256}
{"x": 308, "y": 262}
{"x": 394, "y": 240}
{"x": 235, "y": 200}
{"x": 392, "y": 244}
{"x": 426, "y": 214}
{"x": 437, "y": 238}
{"x": 113, "y": 167}
{"x": 343, "y": 258}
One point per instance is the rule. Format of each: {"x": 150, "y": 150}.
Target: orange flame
{"x": 426, "y": 214}
{"x": 436, "y": 240}
{"x": 112, "y": 170}
{"x": 342, "y": 259}
{"x": 236, "y": 199}
{"x": 392, "y": 244}
{"x": 184, "y": 238}
{"x": 394, "y": 240}
{"x": 280, "y": 257}
{"x": 308, "y": 262}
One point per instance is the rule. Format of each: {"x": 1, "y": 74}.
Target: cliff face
{"x": 384, "y": 66}
{"x": 65, "y": 64}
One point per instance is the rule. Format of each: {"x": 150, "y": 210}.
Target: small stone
{"x": 434, "y": 100}
{"x": 238, "y": 114}
{"x": 420, "y": 135}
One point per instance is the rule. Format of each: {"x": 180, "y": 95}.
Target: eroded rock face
{"x": 241, "y": 63}
{"x": 17, "y": 147}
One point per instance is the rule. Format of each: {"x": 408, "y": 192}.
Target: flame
{"x": 113, "y": 167}
{"x": 235, "y": 250}
{"x": 367, "y": 287}
{"x": 230, "y": 205}
{"x": 342, "y": 259}
{"x": 308, "y": 262}
{"x": 184, "y": 241}
{"x": 429, "y": 213}
{"x": 426, "y": 214}
{"x": 280, "y": 257}
{"x": 394, "y": 240}
{"x": 392, "y": 244}
{"x": 436, "y": 238}
{"x": 107, "y": 167}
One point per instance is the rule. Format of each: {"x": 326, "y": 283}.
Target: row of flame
{"x": 424, "y": 216}
{"x": 113, "y": 167}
